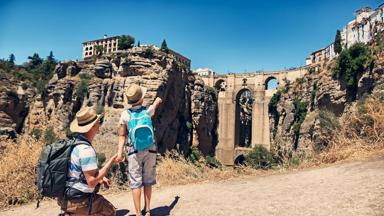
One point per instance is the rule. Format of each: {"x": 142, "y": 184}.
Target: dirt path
{"x": 349, "y": 189}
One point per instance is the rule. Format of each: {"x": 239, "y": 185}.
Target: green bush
{"x": 211, "y": 90}
{"x": 313, "y": 95}
{"x": 212, "y": 162}
{"x": 300, "y": 80}
{"x": 195, "y": 155}
{"x": 36, "y": 133}
{"x": 299, "y": 116}
{"x": 50, "y": 136}
{"x": 148, "y": 53}
{"x": 328, "y": 121}
{"x": 272, "y": 106}
{"x": 350, "y": 64}
{"x": 259, "y": 158}
{"x": 82, "y": 89}
{"x": 24, "y": 86}
{"x": 126, "y": 42}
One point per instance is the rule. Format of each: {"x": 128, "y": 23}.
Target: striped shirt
{"x": 83, "y": 158}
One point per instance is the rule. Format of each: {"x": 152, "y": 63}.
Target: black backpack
{"x": 52, "y": 167}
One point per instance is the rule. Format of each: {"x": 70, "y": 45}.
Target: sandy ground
{"x": 355, "y": 188}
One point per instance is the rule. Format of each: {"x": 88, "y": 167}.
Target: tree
{"x": 337, "y": 44}
{"x": 164, "y": 46}
{"x": 35, "y": 60}
{"x": 99, "y": 49}
{"x": 126, "y": 42}
{"x": 138, "y": 44}
{"x": 51, "y": 57}
{"x": 11, "y": 59}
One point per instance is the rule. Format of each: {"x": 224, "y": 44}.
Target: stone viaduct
{"x": 230, "y": 87}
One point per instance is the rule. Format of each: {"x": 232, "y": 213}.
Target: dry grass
{"x": 175, "y": 170}
{"x": 17, "y": 172}
{"x": 361, "y": 134}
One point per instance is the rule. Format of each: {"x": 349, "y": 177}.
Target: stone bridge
{"x": 230, "y": 87}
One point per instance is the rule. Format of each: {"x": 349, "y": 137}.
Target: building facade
{"x": 111, "y": 45}
{"x": 362, "y": 29}
{"x": 205, "y": 72}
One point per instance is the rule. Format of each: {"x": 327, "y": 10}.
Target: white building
{"x": 362, "y": 29}
{"x": 205, "y": 72}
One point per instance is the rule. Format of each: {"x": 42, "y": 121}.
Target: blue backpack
{"x": 140, "y": 129}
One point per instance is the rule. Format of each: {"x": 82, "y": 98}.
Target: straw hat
{"x": 134, "y": 93}
{"x": 84, "y": 120}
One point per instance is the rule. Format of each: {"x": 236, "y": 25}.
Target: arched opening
{"x": 220, "y": 85}
{"x": 271, "y": 83}
{"x": 243, "y": 122}
{"x": 240, "y": 160}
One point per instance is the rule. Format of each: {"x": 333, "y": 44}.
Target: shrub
{"x": 350, "y": 64}
{"x": 259, "y": 158}
{"x": 126, "y": 42}
{"x": 211, "y": 90}
{"x": 82, "y": 89}
{"x": 300, "y": 80}
{"x": 272, "y": 106}
{"x": 313, "y": 95}
{"x": 50, "y": 136}
{"x": 328, "y": 121}
{"x": 148, "y": 53}
{"x": 195, "y": 155}
{"x": 36, "y": 133}
{"x": 212, "y": 162}
{"x": 24, "y": 86}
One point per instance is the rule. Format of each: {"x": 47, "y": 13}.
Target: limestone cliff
{"x": 297, "y": 110}
{"x": 188, "y": 110}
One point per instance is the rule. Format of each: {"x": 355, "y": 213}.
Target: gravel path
{"x": 355, "y": 188}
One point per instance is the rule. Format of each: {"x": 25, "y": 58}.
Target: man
{"x": 136, "y": 126}
{"x": 84, "y": 177}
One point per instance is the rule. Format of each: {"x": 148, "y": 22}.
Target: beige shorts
{"x": 142, "y": 167}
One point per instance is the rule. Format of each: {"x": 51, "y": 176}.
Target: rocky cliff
{"x": 304, "y": 114}
{"x": 187, "y": 112}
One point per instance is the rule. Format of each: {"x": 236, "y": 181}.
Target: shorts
{"x": 100, "y": 206}
{"x": 142, "y": 167}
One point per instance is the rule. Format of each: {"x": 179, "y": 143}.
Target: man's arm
{"x": 122, "y": 136}
{"x": 152, "y": 109}
{"x": 93, "y": 177}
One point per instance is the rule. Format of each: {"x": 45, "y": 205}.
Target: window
{"x": 86, "y": 48}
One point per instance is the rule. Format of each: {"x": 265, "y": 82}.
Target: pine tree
{"x": 51, "y": 57}
{"x": 11, "y": 59}
{"x": 138, "y": 44}
{"x": 337, "y": 44}
{"x": 164, "y": 46}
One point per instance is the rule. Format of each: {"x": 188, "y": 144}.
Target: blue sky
{"x": 227, "y": 36}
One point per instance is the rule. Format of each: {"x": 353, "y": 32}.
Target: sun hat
{"x": 134, "y": 93}
{"x": 84, "y": 120}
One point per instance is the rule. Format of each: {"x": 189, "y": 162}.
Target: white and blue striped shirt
{"x": 83, "y": 158}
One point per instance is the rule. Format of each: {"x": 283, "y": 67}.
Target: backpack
{"x": 140, "y": 129}
{"x": 53, "y": 165}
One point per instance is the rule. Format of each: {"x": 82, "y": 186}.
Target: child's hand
{"x": 158, "y": 100}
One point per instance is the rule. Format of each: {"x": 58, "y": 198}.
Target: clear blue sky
{"x": 227, "y": 36}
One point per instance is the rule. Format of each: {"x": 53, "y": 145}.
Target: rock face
{"x": 176, "y": 121}
{"x": 321, "y": 93}
{"x": 204, "y": 116}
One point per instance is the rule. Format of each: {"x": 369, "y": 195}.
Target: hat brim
{"x": 143, "y": 90}
{"x": 75, "y": 128}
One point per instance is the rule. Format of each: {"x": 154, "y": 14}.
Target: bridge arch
{"x": 243, "y": 118}
{"x": 271, "y": 83}
{"x": 220, "y": 85}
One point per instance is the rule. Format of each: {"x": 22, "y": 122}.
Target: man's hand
{"x": 119, "y": 158}
{"x": 106, "y": 182}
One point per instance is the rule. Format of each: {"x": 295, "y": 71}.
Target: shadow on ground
{"x": 162, "y": 210}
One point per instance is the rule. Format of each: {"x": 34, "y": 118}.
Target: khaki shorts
{"x": 142, "y": 167}
{"x": 100, "y": 206}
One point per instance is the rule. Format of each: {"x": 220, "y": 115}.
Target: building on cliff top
{"x": 111, "y": 45}
{"x": 363, "y": 28}
{"x": 205, "y": 72}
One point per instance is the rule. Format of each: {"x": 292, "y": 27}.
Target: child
{"x": 135, "y": 125}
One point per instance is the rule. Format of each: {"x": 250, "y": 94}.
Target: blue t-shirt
{"x": 83, "y": 158}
